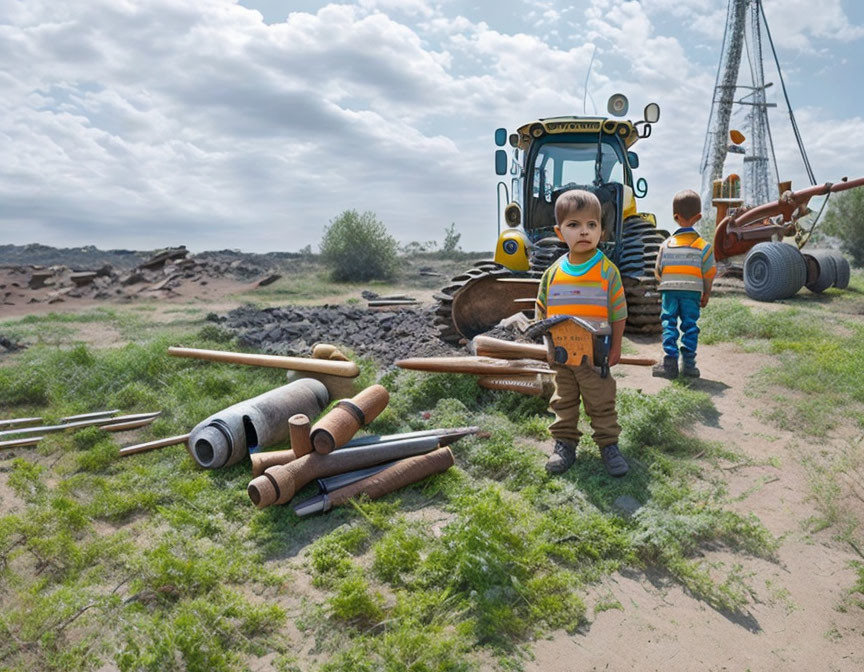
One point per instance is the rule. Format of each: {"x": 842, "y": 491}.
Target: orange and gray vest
{"x": 681, "y": 264}
{"x": 585, "y": 295}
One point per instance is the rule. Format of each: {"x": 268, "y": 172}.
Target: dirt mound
{"x": 383, "y": 335}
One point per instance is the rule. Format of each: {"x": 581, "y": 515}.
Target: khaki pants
{"x": 598, "y": 395}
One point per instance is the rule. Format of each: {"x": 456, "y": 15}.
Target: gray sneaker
{"x": 614, "y": 461}
{"x": 689, "y": 369}
{"x": 562, "y": 459}
{"x": 668, "y": 368}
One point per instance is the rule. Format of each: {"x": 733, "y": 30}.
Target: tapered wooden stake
{"x": 153, "y": 445}
{"x": 125, "y": 426}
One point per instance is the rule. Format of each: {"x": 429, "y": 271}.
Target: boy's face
{"x": 580, "y": 229}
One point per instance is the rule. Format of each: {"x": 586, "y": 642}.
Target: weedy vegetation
{"x": 820, "y": 353}
{"x": 147, "y": 563}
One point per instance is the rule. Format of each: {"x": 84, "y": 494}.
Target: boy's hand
{"x": 704, "y": 301}
{"x": 614, "y": 355}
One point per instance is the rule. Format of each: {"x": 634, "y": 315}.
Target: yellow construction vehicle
{"x": 550, "y": 156}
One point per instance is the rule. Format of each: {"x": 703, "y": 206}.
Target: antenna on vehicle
{"x": 587, "y": 77}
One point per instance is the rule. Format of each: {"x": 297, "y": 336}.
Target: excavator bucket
{"x": 475, "y": 302}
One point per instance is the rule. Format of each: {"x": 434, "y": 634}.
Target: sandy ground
{"x": 794, "y": 622}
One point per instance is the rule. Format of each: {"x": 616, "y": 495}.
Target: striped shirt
{"x": 687, "y": 236}
{"x": 616, "y": 303}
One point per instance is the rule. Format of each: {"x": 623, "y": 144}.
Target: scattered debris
{"x": 268, "y": 280}
{"x": 123, "y": 275}
{"x": 9, "y": 345}
{"x": 627, "y": 505}
{"x": 278, "y": 484}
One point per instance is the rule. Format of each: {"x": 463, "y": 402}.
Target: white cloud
{"x": 152, "y": 122}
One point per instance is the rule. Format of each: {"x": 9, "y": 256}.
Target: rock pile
{"x": 164, "y": 271}
{"x": 383, "y": 335}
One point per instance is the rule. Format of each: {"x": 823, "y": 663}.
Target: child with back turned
{"x": 685, "y": 269}
{"x": 584, "y": 283}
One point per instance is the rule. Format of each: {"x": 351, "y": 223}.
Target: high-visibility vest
{"x": 585, "y": 295}
{"x": 681, "y": 264}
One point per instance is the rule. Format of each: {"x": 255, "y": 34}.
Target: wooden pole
{"x": 325, "y": 366}
{"x": 153, "y": 445}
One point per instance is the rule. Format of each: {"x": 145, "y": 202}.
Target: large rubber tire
{"x": 841, "y": 280}
{"x": 640, "y": 244}
{"x": 827, "y": 271}
{"x": 774, "y": 271}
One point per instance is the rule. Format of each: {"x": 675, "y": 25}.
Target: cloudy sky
{"x": 213, "y": 123}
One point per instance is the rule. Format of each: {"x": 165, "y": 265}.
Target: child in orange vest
{"x": 685, "y": 269}
{"x": 586, "y": 284}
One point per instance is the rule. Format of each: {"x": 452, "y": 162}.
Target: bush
{"x": 845, "y": 220}
{"x": 358, "y": 247}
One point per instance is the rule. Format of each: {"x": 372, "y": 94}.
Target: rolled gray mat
{"x": 228, "y": 436}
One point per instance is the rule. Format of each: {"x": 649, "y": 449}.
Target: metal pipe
{"x": 264, "y": 460}
{"x": 332, "y": 483}
{"x": 97, "y": 422}
{"x": 21, "y": 443}
{"x": 89, "y": 416}
{"x": 19, "y": 421}
{"x": 445, "y": 436}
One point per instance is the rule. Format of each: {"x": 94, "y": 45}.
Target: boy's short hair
{"x": 687, "y": 203}
{"x": 576, "y": 199}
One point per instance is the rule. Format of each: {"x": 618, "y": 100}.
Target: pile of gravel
{"x": 383, "y": 335}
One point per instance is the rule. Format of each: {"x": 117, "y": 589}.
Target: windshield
{"x": 558, "y": 164}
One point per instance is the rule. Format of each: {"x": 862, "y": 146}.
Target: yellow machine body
{"x": 511, "y": 251}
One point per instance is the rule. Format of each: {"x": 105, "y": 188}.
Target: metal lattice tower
{"x": 743, "y": 32}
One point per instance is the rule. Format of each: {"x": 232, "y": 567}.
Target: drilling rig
{"x": 772, "y": 269}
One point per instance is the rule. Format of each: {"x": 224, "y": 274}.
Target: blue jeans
{"x": 685, "y": 306}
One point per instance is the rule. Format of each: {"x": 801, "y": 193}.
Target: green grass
{"x": 148, "y": 563}
{"x": 821, "y": 355}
